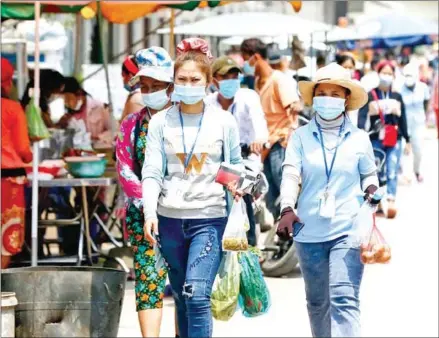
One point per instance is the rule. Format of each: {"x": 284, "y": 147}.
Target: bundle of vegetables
{"x": 254, "y": 296}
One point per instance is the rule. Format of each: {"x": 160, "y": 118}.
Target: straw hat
{"x": 335, "y": 74}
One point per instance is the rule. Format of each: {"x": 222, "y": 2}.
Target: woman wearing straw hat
{"x": 335, "y": 162}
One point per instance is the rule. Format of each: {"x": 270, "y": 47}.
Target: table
{"x": 83, "y": 216}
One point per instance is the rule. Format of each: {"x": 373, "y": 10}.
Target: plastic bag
{"x": 375, "y": 249}
{"x": 254, "y": 296}
{"x": 235, "y": 238}
{"x": 224, "y": 299}
{"x": 35, "y": 124}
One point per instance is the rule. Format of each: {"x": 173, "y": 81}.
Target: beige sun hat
{"x": 335, "y": 74}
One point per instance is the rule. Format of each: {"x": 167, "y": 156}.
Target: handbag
{"x": 389, "y": 134}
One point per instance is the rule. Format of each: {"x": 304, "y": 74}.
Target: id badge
{"x": 381, "y": 134}
{"x": 327, "y": 205}
{"x": 179, "y": 186}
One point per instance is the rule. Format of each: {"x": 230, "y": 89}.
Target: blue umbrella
{"x": 393, "y": 30}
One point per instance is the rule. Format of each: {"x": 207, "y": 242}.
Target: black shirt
{"x": 400, "y": 121}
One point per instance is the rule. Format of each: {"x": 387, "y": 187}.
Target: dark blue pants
{"x": 193, "y": 250}
{"x": 273, "y": 172}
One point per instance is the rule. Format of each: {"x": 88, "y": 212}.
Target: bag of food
{"x": 225, "y": 291}
{"x": 35, "y": 124}
{"x": 375, "y": 249}
{"x": 235, "y": 238}
{"x": 254, "y": 296}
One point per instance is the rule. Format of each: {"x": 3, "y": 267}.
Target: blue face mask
{"x": 329, "y": 108}
{"x": 228, "y": 88}
{"x": 157, "y": 100}
{"x": 188, "y": 94}
{"x": 248, "y": 70}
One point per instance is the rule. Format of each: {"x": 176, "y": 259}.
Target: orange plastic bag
{"x": 376, "y": 249}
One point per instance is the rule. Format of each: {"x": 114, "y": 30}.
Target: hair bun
{"x": 194, "y": 44}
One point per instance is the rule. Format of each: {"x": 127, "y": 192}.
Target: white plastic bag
{"x": 235, "y": 238}
{"x": 225, "y": 290}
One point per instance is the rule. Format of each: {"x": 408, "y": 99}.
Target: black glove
{"x": 285, "y": 227}
{"x": 368, "y": 193}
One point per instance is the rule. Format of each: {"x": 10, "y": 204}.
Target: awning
{"x": 25, "y": 10}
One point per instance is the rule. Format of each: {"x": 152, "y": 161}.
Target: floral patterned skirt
{"x": 150, "y": 283}
{"x": 12, "y": 214}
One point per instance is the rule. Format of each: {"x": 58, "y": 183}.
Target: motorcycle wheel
{"x": 274, "y": 266}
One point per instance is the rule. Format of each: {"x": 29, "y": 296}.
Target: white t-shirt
{"x": 248, "y": 112}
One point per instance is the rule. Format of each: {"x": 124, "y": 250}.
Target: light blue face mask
{"x": 188, "y": 94}
{"x": 248, "y": 70}
{"x": 228, "y": 88}
{"x": 329, "y": 108}
{"x": 157, "y": 100}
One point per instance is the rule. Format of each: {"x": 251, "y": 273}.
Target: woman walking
{"x": 155, "y": 79}
{"x": 185, "y": 210}
{"x": 334, "y": 161}
{"x": 416, "y": 97}
{"x": 387, "y": 106}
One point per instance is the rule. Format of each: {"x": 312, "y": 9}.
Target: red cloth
{"x": 130, "y": 65}
{"x": 7, "y": 70}
{"x": 13, "y": 211}
{"x": 194, "y": 44}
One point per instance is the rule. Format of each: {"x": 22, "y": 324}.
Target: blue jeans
{"x": 273, "y": 172}
{"x": 332, "y": 272}
{"x": 192, "y": 249}
{"x": 391, "y": 167}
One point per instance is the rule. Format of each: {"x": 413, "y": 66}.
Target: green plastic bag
{"x": 224, "y": 299}
{"x": 35, "y": 124}
{"x": 254, "y": 296}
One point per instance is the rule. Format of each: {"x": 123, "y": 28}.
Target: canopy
{"x": 385, "y": 31}
{"x": 114, "y": 11}
{"x": 126, "y": 11}
{"x": 25, "y": 10}
{"x": 393, "y": 30}
{"x": 256, "y": 24}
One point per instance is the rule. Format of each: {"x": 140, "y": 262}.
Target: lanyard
{"x": 189, "y": 156}
{"x": 329, "y": 171}
{"x": 385, "y": 95}
{"x": 232, "y": 110}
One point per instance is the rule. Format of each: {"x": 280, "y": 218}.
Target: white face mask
{"x": 410, "y": 81}
{"x": 78, "y": 105}
{"x": 157, "y": 100}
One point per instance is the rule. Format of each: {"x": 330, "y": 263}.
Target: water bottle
{"x": 363, "y": 222}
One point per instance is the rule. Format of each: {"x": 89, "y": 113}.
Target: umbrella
{"x": 249, "y": 24}
{"x": 387, "y": 31}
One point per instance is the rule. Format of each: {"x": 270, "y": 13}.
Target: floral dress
{"x": 150, "y": 279}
